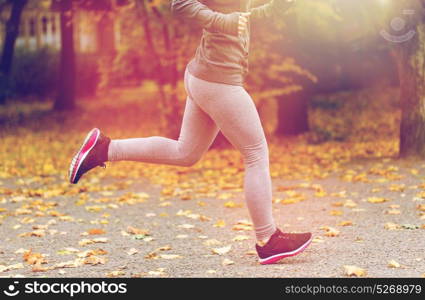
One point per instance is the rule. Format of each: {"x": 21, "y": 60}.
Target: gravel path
{"x": 185, "y": 229}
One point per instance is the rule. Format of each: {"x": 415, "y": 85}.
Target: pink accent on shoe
{"x": 277, "y": 257}
{"x": 88, "y": 144}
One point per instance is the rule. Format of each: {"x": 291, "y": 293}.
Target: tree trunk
{"x": 12, "y": 32}
{"x": 411, "y": 67}
{"x": 66, "y": 88}
{"x": 293, "y": 113}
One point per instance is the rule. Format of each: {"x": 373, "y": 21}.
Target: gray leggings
{"x": 211, "y": 107}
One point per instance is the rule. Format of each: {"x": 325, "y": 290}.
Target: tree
{"x": 66, "y": 88}
{"x": 410, "y": 56}
{"x": 12, "y": 32}
{"x": 311, "y": 24}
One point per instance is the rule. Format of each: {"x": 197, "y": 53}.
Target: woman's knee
{"x": 188, "y": 158}
{"x": 255, "y": 154}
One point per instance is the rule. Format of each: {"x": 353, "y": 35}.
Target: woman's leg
{"x": 235, "y": 113}
{"x": 197, "y": 133}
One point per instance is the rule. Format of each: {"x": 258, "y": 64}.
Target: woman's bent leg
{"x": 235, "y": 114}
{"x": 197, "y": 133}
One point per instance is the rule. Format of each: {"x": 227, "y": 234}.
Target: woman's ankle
{"x": 263, "y": 241}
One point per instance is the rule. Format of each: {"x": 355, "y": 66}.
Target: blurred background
{"x": 323, "y": 73}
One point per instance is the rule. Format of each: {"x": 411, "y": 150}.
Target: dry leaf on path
{"x": 222, "y": 250}
{"x": 227, "y": 262}
{"x": 377, "y": 200}
{"x": 330, "y": 231}
{"x": 137, "y": 231}
{"x": 169, "y": 256}
{"x": 239, "y": 238}
{"x": 393, "y": 264}
{"x": 354, "y": 271}
{"x": 132, "y": 251}
{"x": 96, "y": 231}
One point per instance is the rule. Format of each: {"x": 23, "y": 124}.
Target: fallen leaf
{"x": 11, "y": 267}
{"x": 346, "y": 223}
{"x": 137, "y": 231}
{"x": 211, "y": 242}
{"x": 239, "y": 238}
{"x": 186, "y": 226}
{"x": 84, "y": 242}
{"x": 182, "y": 236}
{"x": 220, "y": 223}
{"x": 377, "y": 200}
{"x": 231, "y": 204}
{"x": 96, "y": 231}
{"x": 222, "y": 250}
{"x": 318, "y": 239}
{"x": 354, "y": 271}
{"x": 393, "y": 264}
{"x": 132, "y": 251}
{"x": 164, "y": 248}
{"x": 94, "y": 260}
{"x": 350, "y": 203}
{"x": 330, "y": 231}
{"x": 33, "y": 258}
{"x": 392, "y": 212}
{"x": 227, "y": 262}
{"x": 117, "y": 273}
{"x": 169, "y": 256}
{"x": 88, "y": 253}
{"x": 243, "y": 225}
{"x": 392, "y": 226}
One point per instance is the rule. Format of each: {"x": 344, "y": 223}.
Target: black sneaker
{"x": 281, "y": 245}
{"x": 93, "y": 153}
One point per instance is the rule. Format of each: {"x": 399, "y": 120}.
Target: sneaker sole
{"x": 85, "y": 149}
{"x": 277, "y": 257}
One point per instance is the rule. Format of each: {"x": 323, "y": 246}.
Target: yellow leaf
{"x": 393, "y": 264}
{"x": 354, "y": 271}
{"x": 243, "y": 225}
{"x": 220, "y": 223}
{"x": 227, "y": 262}
{"x": 222, "y": 250}
{"x": 392, "y": 226}
{"x": 346, "y": 223}
{"x": 335, "y": 212}
{"x": 169, "y": 256}
{"x": 186, "y": 226}
{"x": 136, "y": 231}
{"x": 376, "y": 200}
{"x": 212, "y": 242}
{"x": 421, "y": 207}
{"x": 240, "y": 238}
{"x": 330, "y": 231}
{"x": 117, "y": 273}
{"x": 231, "y": 204}
{"x": 392, "y": 212}
{"x": 132, "y": 251}
{"x": 94, "y": 260}
{"x": 201, "y": 203}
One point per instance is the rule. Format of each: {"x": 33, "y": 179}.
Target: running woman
{"x": 216, "y": 100}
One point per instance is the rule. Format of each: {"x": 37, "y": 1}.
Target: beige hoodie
{"x": 222, "y": 55}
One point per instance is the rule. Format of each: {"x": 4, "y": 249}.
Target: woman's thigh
{"x": 197, "y": 132}
{"x": 233, "y": 110}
